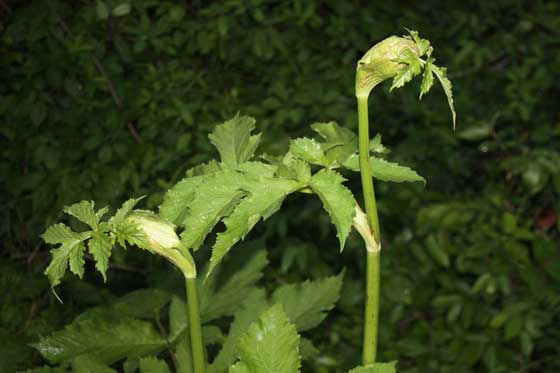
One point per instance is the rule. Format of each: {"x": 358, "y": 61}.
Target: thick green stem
{"x": 371, "y": 313}
{"x": 197, "y": 347}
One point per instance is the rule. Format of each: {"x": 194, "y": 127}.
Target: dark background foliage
{"x": 105, "y": 108}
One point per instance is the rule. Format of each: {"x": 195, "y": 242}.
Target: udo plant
{"x": 238, "y": 190}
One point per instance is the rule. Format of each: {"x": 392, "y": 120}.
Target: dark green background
{"x": 117, "y": 108}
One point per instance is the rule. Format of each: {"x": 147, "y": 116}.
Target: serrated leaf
{"x": 385, "y": 171}
{"x": 60, "y": 233}
{"x": 375, "y": 146}
{"x": 129, "y": 232}
{"x": 234, "y": 141}
{"x": 123, "y": 212}
{"x": 84, "y": 211}
{"x": 309, "y": 150}
{"x": 441, "y": 73}
{"x": 427, "y": 78}
{"x": 294, "y": 168}
{"x": 87, "y": 364}
{"x": 222, "y": 299}
{"x": 214, "y": 199}
{"x": 71, "y": 251}
{"x": 320, "y": 296}
{"x": 270, "y": 345}
{"x": 264, "y": 198}
{"x": 377, "y": 368}
{"x": 105, "y": 340}
{"x": 412, "y": 67}
{"x": 152, "y": 364}
{"x": 250, "y": 309}
{"x": 339, "y": 143}
{"x": 176, "y": 202}
{"x": 337, "y": 200}
{"x": 99, "y": 247}
{"x": 422, "y": 44}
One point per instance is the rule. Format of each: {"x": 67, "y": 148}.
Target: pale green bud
{"x": 163, "y": 240}
{"x": 381, "y": 63}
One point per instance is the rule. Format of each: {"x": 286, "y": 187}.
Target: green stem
{"x": 197, "y": 347}
{"x": 371, "y": 313}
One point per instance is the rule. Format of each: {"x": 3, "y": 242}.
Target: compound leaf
{"x": 264, "y": 198}
{"x": 412, "y": 67}
{"x": 427, "y": 78}
{"x": 124, "y": 210}
{"x": 337, "y": 200}
{"x": 84, "y": 211}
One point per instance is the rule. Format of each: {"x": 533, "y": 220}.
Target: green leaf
{"x": 84, "y": 211}
{"x": 61, "y": 233}
{"x": 337, "y": 200}
{"x": 88, "y": 364}
{"x": 152, "y": 364}
{"x": 339, "y": 143}
{"x": 385, "y": 171}
{"x": 100, "y": 246}
{"x": 125, "y": 210}
{"x": 294, "y": 168}
{"x": 413, "y": 66}
{"x": 427, "y": 78}
{"x": 176, "y": 202}
{"x": 234, "y": 141}
{"x": 377, "y": 368}
{"x": 214, "y": 199}
{"x": 441, "y": 73}
{"x": 218, "y": 301}
{"x": 105, "y": 340}
{"x": 270, "y": 345}
{"x": 129, "y": 232}
{"x": 142, "y": 304}
{"x": 250, "y": 309}
{"x": 264, "y": 199}
{"x": 422, "y": 44}
{"x": 121, "y": 10}
{"x": 71, "y": 251}
{"x": 309, "y": 150}
{"x": 320, "y": 296}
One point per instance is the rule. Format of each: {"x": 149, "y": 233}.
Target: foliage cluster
{"x": 99, "y": 101}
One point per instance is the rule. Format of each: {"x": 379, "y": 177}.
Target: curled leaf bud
{"x": 381, "y": 62}
{"x": 163, "y": 240}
